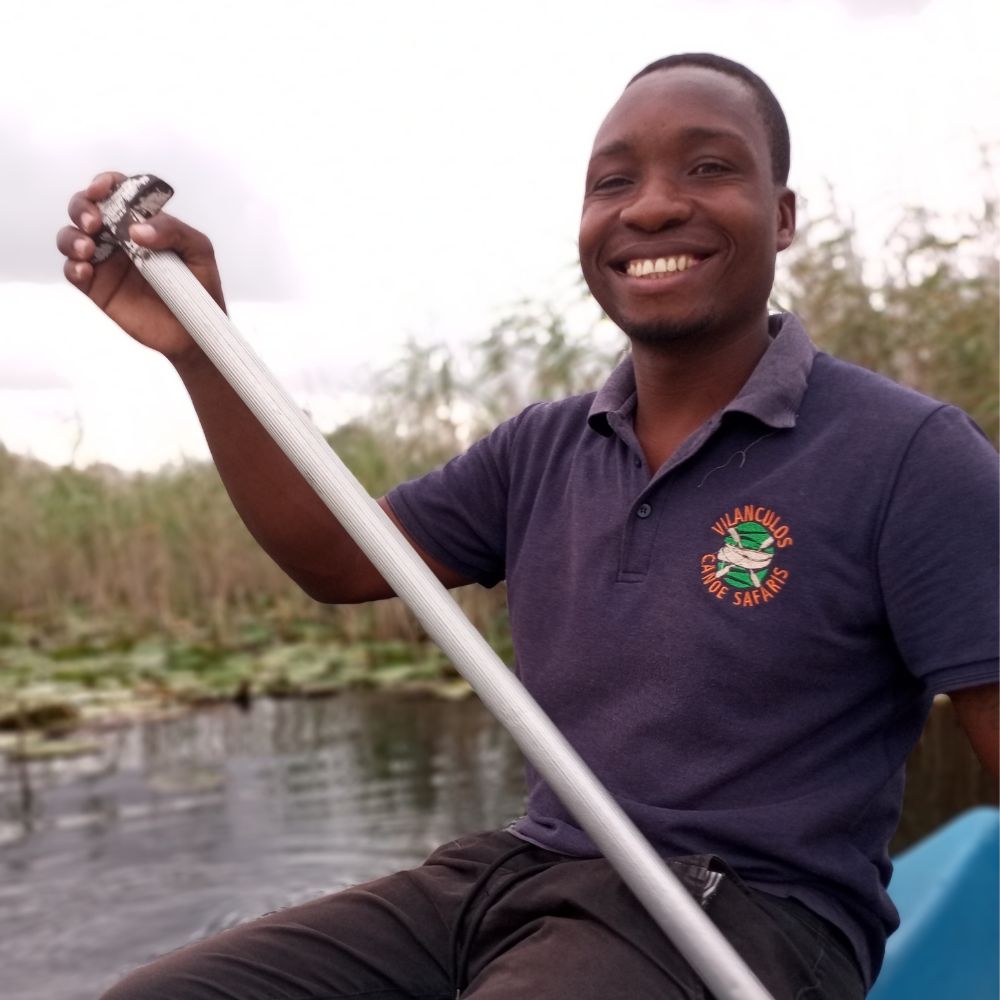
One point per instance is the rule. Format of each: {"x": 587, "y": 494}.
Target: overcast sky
{"x": 371, "y": 172}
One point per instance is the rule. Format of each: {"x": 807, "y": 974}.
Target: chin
{"x": 661, "y": 332}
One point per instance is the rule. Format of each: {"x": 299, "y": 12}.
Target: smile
{"x": 660, "y": 266}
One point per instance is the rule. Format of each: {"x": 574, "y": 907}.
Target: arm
{"x": 977, "y": 712}
{"x": 278, "y": 507}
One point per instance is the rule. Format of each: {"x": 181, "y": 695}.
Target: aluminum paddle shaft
{"x": 670, "y": 905}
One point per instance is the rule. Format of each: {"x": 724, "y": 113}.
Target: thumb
{"x": 166, "y": 232}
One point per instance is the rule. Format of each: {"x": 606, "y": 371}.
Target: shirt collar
{"x": 772, "y": 394}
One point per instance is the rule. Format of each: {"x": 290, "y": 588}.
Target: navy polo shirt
{"x": 744, "y": 643}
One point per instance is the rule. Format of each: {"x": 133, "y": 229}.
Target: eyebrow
{"x": 694, "y": 133}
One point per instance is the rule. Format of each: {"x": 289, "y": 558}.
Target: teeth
{"x": 661, "y": 265}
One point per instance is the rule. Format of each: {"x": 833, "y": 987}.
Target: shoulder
{"x": 571, "y": 411}
{"x": 834, "y": 382}
{"x": 884, "y": 415}
{"x": 546, "y": 424}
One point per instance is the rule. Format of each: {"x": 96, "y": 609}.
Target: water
{"x": 180, "y": 828}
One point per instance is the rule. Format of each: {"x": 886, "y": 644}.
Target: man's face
{"x": 680, "y": 185}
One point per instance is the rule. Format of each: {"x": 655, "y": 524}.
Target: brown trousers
{"x": 489, "y": 917}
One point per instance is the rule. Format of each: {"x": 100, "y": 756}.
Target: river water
{"x": 181, "y": 828}
{"x": 176, "y": 829}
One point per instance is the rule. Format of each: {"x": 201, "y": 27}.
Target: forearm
{"x": 276, "y": 504}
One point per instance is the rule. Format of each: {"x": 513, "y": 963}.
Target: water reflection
{"x": 183, "y": 827}
{"x": 180, "y": 828}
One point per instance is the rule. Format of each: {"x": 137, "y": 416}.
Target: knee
{"x": 135, "y": 985}
{"x": 164, "y": 979}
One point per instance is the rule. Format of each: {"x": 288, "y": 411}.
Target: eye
{"x": 611, "y": 183}
{"x": 708, "y": 168}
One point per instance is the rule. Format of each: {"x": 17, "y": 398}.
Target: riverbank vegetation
{"x": 125, "y": 593}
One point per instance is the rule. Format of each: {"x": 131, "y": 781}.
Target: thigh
{"x": 383, "y": 940}
{"x": 562, "y": 957}
{"x": 575, "y": 932}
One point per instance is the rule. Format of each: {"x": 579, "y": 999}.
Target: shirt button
{"x": 638, "y": 463}
{"x": 644, "y": 510}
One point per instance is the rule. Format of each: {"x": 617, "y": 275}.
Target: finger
{"x": 75, "y": 245}
{"x": 83, "y": 208}
{"x": 84, "y": 213}
{"x": 79, "y": 274}
{"x": 103, "y": 184}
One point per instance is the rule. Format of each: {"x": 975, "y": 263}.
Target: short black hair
{"x": 767, "y": 104}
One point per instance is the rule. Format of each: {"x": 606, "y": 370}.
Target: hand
{"x": 118, "y": 288}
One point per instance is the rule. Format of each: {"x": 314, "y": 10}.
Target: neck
{"x": 679, "y": 386}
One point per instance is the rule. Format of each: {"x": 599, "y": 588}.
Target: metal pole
{"x": 640, "y": 867}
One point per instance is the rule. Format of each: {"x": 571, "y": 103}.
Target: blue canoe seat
{"x": 946, "y": 890}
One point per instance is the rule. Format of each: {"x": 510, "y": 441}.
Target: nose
{"x": 657, "y": 204}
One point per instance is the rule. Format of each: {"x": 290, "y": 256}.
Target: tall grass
{"x": 94, "y": 550}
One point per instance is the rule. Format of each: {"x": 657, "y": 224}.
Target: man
{"x": 737, "y": 622}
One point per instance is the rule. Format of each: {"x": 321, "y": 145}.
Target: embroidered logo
{"x": 742, "y": 569}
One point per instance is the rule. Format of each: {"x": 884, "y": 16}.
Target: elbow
{"x": 341, "y": 588}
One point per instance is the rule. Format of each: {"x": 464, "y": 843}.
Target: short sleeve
{"x": 937, "y": 554}
{"x": 458, "y": 512}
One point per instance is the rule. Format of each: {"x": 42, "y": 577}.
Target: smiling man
{"x": 737, "y": 575}
{"x": 684, "y": 210}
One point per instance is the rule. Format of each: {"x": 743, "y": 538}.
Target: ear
{"x": 785, "y": 218}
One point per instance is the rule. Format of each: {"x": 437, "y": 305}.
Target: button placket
{"x": 637, "y": 543}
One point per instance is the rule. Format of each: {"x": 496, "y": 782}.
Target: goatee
{"x": 665, "y": 332}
